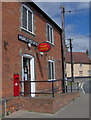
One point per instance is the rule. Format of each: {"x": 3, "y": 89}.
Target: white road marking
{"x": 82, "y": 87}
{"x": 79, "y": 84}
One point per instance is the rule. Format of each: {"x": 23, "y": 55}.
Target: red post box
{"x": 16, "y": 85}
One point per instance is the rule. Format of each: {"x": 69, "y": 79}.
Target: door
{"x": 28, "y": 74}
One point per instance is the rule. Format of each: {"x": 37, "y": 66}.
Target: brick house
{"x": 81, "y": 66}
{"x": 25, "y": 26}
{"x": 27, "y": 72}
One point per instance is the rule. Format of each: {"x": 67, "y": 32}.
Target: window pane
{"x": 89, "y": 72}
{"x": 51, "y": 35}
{"x": 80, "y": 73}
{"x": 48, "y": 34}
{"x": 24, "y": 18}
{"x": 30, "y": 21}
{"x": 49, "y": 70}
{"x": 52, "y": 70}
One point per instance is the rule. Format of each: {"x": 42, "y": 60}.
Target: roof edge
{"x": 45, "y": 15}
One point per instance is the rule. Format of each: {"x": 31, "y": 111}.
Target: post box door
{"x": 16, "y": 85}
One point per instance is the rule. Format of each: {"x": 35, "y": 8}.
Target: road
{"x": 86, "y": 87}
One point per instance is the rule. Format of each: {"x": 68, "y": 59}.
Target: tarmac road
{"x": 87, "y": 87}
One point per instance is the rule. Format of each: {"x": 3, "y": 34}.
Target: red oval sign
{"x": 44, "y": 47}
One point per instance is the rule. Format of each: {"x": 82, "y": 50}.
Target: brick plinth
{"x": 41, "y": 104}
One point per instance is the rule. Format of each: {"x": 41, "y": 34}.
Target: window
{"x": 51, "y": 70}
{"x": 81, "y": 73}
{"x": 80, "y": 65}
{"x": 27, "y": 19}
{"x": 89, "y": 72}
{"x": 50, "y": 37}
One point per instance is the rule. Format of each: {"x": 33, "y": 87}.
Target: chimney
{"x": 87, "y": 51}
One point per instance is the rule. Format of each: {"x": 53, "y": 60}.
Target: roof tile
{"x": 78, "y": 57}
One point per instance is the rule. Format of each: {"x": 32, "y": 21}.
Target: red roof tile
{"x": 78, "y": 57}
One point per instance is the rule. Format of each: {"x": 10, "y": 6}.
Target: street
{"x": 86, "y": 87}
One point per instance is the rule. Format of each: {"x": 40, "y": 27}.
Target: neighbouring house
{"x": 27, "y": 71}
{"x": 81, "y": 65}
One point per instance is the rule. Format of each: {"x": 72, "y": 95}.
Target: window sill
{"x": 51, "y": 80}
{"x": 51, "y": 43}
{"x": 32, "y": 33}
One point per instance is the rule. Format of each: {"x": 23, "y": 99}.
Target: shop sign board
{"x": 25, "y": 39}
{"x": 44, "y": 47}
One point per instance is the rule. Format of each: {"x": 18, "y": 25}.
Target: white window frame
{"x": 51, "y": 70}
{"x": 28, "y": 9}
{"x": 50, "y": 35}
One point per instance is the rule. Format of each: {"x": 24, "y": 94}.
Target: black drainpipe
{"x": 63, "y": 69}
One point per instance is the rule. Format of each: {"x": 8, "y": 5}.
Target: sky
{"x": 76, "y": 22}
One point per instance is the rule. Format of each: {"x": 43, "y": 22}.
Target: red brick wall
{"x": 12, "y": 59}
{"x": 0, "y": 49}
{"x": 41, "y": 104}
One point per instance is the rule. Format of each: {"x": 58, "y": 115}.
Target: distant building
{"x": 81, "y": 64}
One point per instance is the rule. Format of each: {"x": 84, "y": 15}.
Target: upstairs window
{"x": 80, "y": 65}
{"x": 89, "y": 72}
{"x": 51, "y": 70}
{"x": 50, "y": 36}
{"x": 80, "y": 73}
{"x": 27, "y": 19}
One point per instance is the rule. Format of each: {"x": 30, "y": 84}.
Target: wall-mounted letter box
{"x": 16, "y": 85}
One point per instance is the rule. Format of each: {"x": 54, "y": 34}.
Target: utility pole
{"x": 72, "y": 77}
{"x": 63, "y": 26}
{"x": 63, "y": 46}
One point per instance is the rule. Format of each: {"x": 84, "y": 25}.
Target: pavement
{"x": 79, "y": 108}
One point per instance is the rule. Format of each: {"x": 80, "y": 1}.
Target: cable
{"x": 83, "y": 48}
{"x": 76, "y": 10}
{"x": 80, "y": 37}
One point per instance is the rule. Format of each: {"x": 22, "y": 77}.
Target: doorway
{"x": 28, "y": 88}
